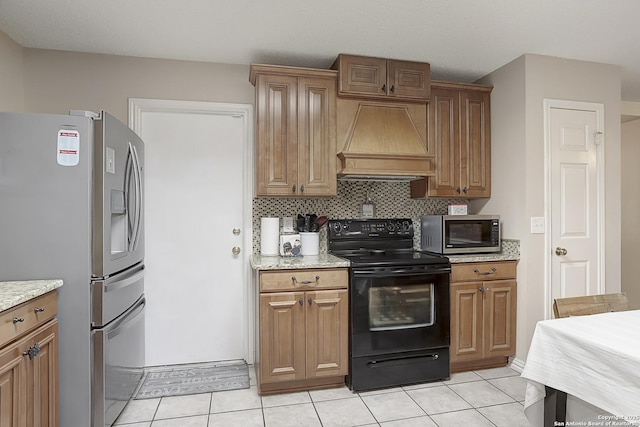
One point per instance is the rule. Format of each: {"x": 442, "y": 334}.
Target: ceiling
{"x": 463, "y": 40}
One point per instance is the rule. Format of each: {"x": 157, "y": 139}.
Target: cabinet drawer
{"x": 474, "y": 271}
{"x": 27, "y": 316}
{"x": 286, "y": 280}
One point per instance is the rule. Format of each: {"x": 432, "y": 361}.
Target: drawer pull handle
{"x": 486, "y": 273}
{"x": 18, "y": 320}
{"x": 305, "y": 282}
{"x": 38, "y": 310}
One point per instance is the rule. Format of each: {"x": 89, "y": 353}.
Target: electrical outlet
{"x": 287, "y": 224}
{"x": 537, "y": 225}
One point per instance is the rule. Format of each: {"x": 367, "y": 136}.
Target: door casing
{"x": 138, "y": 106}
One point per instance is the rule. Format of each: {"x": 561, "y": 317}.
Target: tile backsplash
{"x": 391, "y": 198}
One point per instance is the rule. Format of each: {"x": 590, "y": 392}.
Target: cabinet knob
{"x": 293, "y": 188}
{"x": 301, "y": 302}
{"x": 464, "y": 190}
{"x": 384, "y": 88}
{"x": 32, "y": 351}
{"x": 458, "y": 190}
{"x": 235, "y": 250}
{"x": 302, "y": 188}
{"x": 393, "y": 88}
{"x": 38, "y": 310}
{"x": 310, "y": 301}
{"x": 18, "y": 320}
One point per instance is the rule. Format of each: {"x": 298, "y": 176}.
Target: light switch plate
{"x": 287, "y": 224}
{"x": 537, "y": 225}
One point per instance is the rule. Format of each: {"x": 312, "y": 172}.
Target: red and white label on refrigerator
{"x": 68, "y": 147}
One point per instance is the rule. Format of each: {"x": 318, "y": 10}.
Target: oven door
{"x": 396, "y": 309}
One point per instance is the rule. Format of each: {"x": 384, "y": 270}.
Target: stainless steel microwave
{"x": 460, "y": 234}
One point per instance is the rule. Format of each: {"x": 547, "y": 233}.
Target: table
{"x": 595, "y": 359}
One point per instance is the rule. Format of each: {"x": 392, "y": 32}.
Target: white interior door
{"x": 575, "y": 146}
{"x": 196, "y": 286}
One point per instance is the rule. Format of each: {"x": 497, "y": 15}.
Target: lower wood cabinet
{"x": 303, "y": 329}
{"x": 29, "y": 365}
{"x": 483, "y": 314}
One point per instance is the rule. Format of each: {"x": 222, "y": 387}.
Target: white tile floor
{"x": 491, "y": 397}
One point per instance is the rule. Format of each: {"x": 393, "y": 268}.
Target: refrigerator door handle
{"x": 109, "y": 287}
{"x": 127, "y": 318}
{"x": 138, "y": 183}
{"x": 128, "y": 175}
{"x": 133, "y": 212}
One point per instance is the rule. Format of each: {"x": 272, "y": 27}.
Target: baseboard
{"x": 517, "y": 365}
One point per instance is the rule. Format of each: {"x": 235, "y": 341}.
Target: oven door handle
{"x": 400, "y": 272}
{"x": 402, "y": 360}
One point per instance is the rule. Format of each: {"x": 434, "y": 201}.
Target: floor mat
{"x": 197, "y": 378}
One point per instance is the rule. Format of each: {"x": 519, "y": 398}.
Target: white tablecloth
{"x": 594, "y": 358}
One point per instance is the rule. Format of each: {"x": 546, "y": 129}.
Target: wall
{"x": 517, "y": 119}
{"x": 508, "y": 118}
{"x": 11, "y": 71}
{"x": 56, "y": 82}
{"x": 631, "y": 211}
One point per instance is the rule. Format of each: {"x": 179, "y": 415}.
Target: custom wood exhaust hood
{"x": 383, "y": 140}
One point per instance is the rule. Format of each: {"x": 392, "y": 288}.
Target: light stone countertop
{"x": 15, "y": 293}
{"x": 290, "y": 263}
{"x": 510, "y": 252}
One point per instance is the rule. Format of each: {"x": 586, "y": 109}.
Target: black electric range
{"x": 398, "y": 304}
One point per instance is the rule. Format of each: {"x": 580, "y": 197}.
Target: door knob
{"x": 236, "y": 231}
{"x": 561, "y": 251}
{"x": 235, "y": 250}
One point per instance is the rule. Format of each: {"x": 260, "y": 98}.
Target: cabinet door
{"x": 282, "y": 337}
{"x": 445, "y": 130}
{"x": 500, "y": 318}
{"x": 317, "y": 137}
{"x": 327, "y": 333}
{"x": 361, "y": 75}
{"x": 42, "y": 377}
{"x": 277, "y": 153}
{"x": 408, "y": 80}
{"x": 466, "y": 321}
{"x": 475, "y": 125}
{"x": 13, "y": 385}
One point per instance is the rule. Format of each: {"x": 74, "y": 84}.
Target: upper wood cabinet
{"x": 460, "y": 128}
{"x": 363, "y": 76}
{"x": 295, "y": 131}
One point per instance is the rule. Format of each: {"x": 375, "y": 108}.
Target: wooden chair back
{"x": 591, "y": 304}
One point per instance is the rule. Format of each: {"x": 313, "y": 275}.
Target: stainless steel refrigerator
{"x": 71, "y": 208}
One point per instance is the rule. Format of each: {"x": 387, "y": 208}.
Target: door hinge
{"x": 599, "y": 135}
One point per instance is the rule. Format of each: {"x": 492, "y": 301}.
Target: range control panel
{"x": 370, "y": 228}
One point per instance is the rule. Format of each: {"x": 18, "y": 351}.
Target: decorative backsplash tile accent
{"x": 391, "y": 198}
{"x": 511, "y": 247}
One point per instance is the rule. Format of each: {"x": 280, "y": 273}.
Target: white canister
{"x": 269, "y": 236}
{"x": 310, "y": 243}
